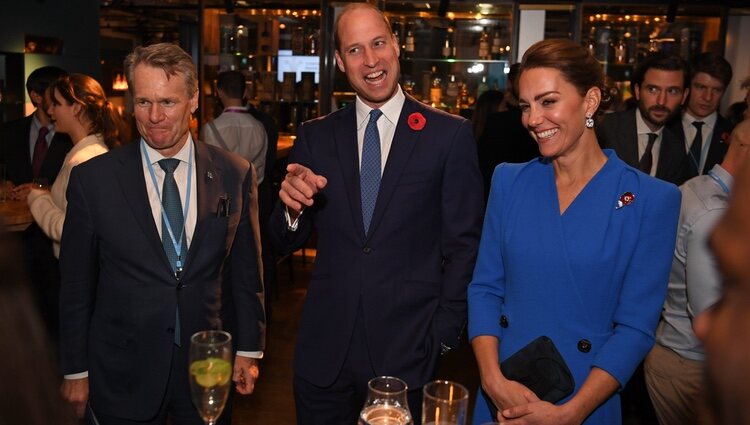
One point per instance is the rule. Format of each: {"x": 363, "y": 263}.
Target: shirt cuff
{"x": 292, "y": 226}
{"x": 80, "y": 375}
{"x": 251, "y": 354}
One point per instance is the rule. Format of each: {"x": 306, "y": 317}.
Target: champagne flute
{"x": 210, "y": 372}
{"x": 386, "y": 403}
{"x": 444, "y": 403}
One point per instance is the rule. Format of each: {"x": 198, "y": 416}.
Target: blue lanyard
{"x": 176, "y": 243}
{"x": 721, "y": 183}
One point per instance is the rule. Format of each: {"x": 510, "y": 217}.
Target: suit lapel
{"x": 345, "y": 134}
{"x": 208, "y": 185}
{"x": 404, "y": 140}
{"x": 629, "y": 140}
{"x": 133, "y": 186}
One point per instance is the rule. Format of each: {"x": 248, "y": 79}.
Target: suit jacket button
{"x": 367, "y": 250}
{"x": 584, "y": 346}
{"x": 504, "y": 321}
{"x": 170, "y": 331}
{"x": 180, "y": 286}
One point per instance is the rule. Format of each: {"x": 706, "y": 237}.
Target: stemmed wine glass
{"x": 210, "y": 372}
{"x": 386, "y": 403}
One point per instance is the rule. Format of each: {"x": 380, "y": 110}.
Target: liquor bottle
{"x": 497, "y": 48}
{"x": 311, "y": 45}
{"x": 463, "y": 97}
{"x": 621, "y": 52}
{"x": 482, "y": 87}
{"x": 409, "y": 44}
{"x": 484, "y": 45}
{"x": 298, "y": 41}
{"x": 436, "y": 89}
{"x": 447, "y": 48}
{"x": 451, "y": 94}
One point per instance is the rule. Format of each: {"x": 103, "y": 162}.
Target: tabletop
{"x": 15, "y": 214}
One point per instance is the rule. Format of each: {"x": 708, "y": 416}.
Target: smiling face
{"x": 659, "y": 96}
{"x": 553, "y": 110}
{"x": 705, "y": 95}
{"x": 162, "y": 108}
{"x": 368, "y": 55}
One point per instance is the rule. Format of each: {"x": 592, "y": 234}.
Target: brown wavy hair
{"x": 576, "y": 64}
{"x": 87, "y": 92}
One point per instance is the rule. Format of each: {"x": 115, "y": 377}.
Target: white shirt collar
{"x": 391, "y": 109}
{"x": 183, "y": 155}
{"x": 709, "y": 121}
{"x": 642, "y": 127}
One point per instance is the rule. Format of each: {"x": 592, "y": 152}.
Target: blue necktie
{"x": 170, "y": 200}
{"x": 696, "y": 146}
{"x": 369, "y": 174}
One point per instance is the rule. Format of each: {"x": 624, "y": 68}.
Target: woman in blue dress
{"x": 576, "y": 246}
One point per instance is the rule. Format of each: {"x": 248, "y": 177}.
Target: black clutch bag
{"x": 541, "y": 368}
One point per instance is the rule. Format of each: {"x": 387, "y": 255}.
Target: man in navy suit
{"x": 710, "y": 75}
{"x": 25, "y": 160}
{"x": 640, "y": 136}
{"x": 133, "y": 292}
{"x": 388, "y": 292}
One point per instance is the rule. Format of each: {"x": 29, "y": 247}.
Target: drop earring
{"x": 589, "y": 121}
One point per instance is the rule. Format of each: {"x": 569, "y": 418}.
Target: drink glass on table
{"x": 386, "y": 403}
{"x": 444, "y": 403}
{"x": 210, "y": 372}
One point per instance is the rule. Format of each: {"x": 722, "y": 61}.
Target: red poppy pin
{"x": 626, "y": 199}
{"x": 416, "y": 121}
{"x": 724, "y": 137}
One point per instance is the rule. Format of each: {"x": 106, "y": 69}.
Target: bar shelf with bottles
{"x": 620, "y": 40}
{"x": 277, "y": 50}
{"x": 449, "y": 61}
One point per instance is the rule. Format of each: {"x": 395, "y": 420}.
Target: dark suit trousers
{"x": 341, "y": 402}
{"x": 177, "y": 404}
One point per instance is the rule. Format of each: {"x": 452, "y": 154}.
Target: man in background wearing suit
{"x": 30, "y": 147}
{"x": 700, "y": 128}
{"x": 393, "y": 189}
{"x": 34, "y": 152}
{"x": 639, "y": 136}
{"x": 157, "y": 244}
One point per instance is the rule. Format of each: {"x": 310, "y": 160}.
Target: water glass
{"x": 386, "y": 403}
{"x": 444, "y": 403}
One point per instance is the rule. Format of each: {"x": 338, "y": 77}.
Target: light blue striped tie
{"x": 369, "y": 174}
{"x": 170, "y": 200}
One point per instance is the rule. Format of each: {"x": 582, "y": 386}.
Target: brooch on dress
{"x": 626, "y": 199}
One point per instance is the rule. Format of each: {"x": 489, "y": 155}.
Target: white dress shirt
{"x": 386, "y": 124}
{"x": 709, "y": 123}
{"x": 643, "y": 130}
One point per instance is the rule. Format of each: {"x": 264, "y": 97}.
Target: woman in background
{"x": 81, "y": 110}
{"x": 576, "y": 246}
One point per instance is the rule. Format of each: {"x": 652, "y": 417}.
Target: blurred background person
{"x": 488, "y": 102}
{"x": 674, "y": 367}
{"x": 29, "y": 380}
{"x": 604, "y": 233}
{"x": 700, "y": 127}
{"x": 640, "y": 136}
{"x": 30, "y": 147}
{"x": 724, "y": 329}
{"x": 504, "y": 138}
{"x": 740, "y": 110}
{"x": 81, "y": 110}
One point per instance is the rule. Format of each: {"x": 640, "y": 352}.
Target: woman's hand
{"x": 507, "y": 394}
{"x": 537, "y": 413}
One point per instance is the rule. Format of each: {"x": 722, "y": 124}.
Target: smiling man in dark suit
{"x": 639, "y": 136}
{"x": 700, "y": 127}
{"x": 393, "y": 189}
{"x": 30, "y": 147}
{"x": 139, "y": 278}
